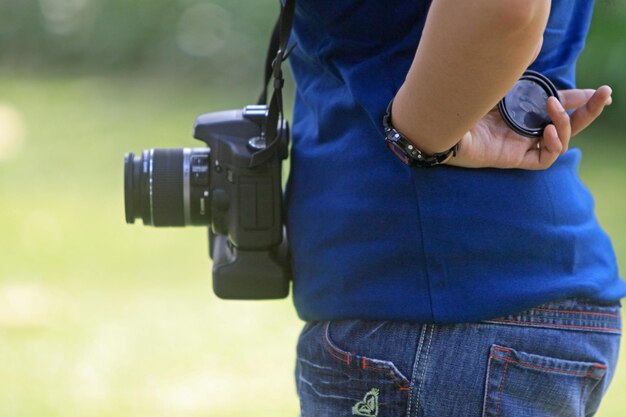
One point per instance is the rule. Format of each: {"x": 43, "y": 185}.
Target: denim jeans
{"x": 554, "y": 360}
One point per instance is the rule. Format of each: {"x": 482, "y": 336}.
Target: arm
{"x": 471, "y": 53}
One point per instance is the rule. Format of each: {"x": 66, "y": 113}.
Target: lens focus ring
{"x": 166, "y": 188}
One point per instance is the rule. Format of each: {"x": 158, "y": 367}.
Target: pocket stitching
{"x": 506, "y": 367}
{"x": 560, "y": 326}
{"x": 589, "y": 374}
{"x": 332, "y": 349}
{"x": 582, "y": 394}
{"x": 589, "y": 394}
{"x": 591, "y": 313}
{"x": 392, "y": 372}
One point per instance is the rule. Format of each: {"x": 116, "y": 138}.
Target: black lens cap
{"x": 129, "y": 190}
{"x": 524, "y": 107}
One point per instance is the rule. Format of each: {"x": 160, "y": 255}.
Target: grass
{"x": 98, "y": 318}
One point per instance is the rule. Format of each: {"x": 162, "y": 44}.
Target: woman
{"x": 481, "y": 286}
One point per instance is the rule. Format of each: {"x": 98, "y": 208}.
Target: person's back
{"x": 373, "y": 239}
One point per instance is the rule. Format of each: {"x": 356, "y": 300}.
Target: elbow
{"x": 529, "y": 16}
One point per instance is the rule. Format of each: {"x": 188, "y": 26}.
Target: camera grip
{"x": 248, "y": 275}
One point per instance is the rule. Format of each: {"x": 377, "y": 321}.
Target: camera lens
{"x": 168, "y": 187}
{"x": 524, "y": 106}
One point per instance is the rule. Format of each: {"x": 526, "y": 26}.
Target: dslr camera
{"x": 218, "y": 186}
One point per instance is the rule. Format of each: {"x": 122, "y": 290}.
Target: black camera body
{"x": 217, "y": 186}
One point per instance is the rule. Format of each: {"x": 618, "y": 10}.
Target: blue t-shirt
{"x": 374, "y": 239}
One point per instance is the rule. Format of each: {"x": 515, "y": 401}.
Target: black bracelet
{"x": 405, "y": 151}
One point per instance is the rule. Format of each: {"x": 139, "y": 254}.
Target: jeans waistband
{"x": 573, "y": 314}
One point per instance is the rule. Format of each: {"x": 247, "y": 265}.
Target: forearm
{"x": 469, "y": 56}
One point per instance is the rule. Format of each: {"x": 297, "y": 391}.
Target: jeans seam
{"x": 593, "y": 387}
{"x": 582, "y": 395}
{"x": 416, "y": 361}
{"x": 555, "y": 325}
{"x": 506, "y": 366}
{"x": 421, "y": 363}
{"x": 592, "y": 313}
{"x": 333, "y": 350}
{"x": 487, "y": 382}
{"x": 556, "y": 371}
{"x": 387, "y": 367}
{"x": 390, "y": 372}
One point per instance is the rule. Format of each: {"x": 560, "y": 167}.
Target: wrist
{"x": 415, "y": 125}
{"x": 406, "y": 151}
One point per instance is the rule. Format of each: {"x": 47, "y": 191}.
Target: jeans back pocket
{"x": 524, "y": 384}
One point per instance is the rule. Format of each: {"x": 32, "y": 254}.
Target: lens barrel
{"x": 168, "y": 187}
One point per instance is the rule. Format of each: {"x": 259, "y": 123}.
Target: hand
{"x": 492, "y": 144}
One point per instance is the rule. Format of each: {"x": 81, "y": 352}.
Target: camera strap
{"x": 277, "y": 52}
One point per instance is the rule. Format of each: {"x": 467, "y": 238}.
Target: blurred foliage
{"x": 213, "y": 40}
{"x": 207, "y": 39}
{"x": 604, "y": 59}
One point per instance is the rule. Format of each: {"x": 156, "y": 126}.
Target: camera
{"x": 217, "y": 186}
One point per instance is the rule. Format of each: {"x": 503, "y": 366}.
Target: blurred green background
{"x": 98, "y": 318}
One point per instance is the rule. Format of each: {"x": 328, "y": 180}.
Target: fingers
{"x": 573, "y": 99}
{"x": 493, "y": 144}
{"x": 543, "y": 153}
{"x": 587, "y": 113}
{"x": 561, "y": 122}
{"x": 554, "y": 142}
